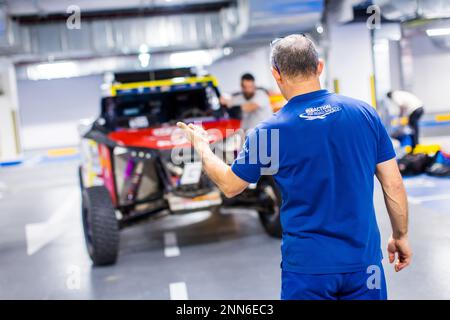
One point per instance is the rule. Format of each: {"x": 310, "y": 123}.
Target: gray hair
{"x": 294, "y": 56}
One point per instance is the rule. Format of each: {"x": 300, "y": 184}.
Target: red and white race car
{"x": 136, "y": 163}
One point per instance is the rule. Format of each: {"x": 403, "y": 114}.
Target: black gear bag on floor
{"x": 413, "y": 164}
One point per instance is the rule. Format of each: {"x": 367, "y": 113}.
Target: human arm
{"x": 246, "y": 106}
{"x": 395, "y": 198}
{"x": 388, "y": 174}
{"x": 403, "y": 110}
{"x": 400, "y": 99}
{"x": 219, "y": 172}
{"x": 249, "y": 106}
{"x": 260, "y": 100}
{"x": 225, "y": 101}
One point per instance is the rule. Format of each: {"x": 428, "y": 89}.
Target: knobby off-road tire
{"x": 269, "y": 214}
{"x": 101, "y": 228}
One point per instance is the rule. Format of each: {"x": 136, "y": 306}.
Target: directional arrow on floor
{"x": 40, "y": 234}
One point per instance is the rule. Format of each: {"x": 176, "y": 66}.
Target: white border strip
{"x": 170, "y": 245}
{"x": 178, "y": 291}
{"x": 436, "y": 197}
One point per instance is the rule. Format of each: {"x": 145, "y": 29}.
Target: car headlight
{"x": 137, "y": 153}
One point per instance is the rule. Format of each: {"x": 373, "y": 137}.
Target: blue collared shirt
{"x": 323, "y": 156}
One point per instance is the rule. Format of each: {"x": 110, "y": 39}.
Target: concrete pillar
{"x": 387, "y": 66}
{"x": 10, "y": 147}
{"x": 350, "y": 61}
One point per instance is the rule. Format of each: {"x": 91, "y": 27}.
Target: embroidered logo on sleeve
{"x": 321, "y": 112}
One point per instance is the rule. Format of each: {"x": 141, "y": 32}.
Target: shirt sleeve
{"x": 262, "y": 100}
{"x": 385, "y": 150}
{"x": 236, "y": 100}
{"x": 257, "y": 156}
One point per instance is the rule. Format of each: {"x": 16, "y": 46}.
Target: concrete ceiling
{"x": 46, "y": 7}
{"x": 270, "y": 19}
{"x": 113, "y": 28}
{"x": 404, "y": 10}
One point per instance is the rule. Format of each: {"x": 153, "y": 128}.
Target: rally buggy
{"x": 129, "y": 169}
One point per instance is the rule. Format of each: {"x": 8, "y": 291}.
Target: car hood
{"x": 169, "y": 136}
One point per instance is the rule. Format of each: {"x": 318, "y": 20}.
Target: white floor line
{"x": 40, "y": 234}
{"x": 2, "y": 188}
{"x": 178, "y": 291}
{"x": 419, "y": 182}
{"x": 443, "y": 140}
{"x": 170, "y": 245}
{"x": 436, "y": 197}
{"x": 177, "y": 221}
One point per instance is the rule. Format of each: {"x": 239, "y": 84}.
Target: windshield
{"x": 149, "y": 109}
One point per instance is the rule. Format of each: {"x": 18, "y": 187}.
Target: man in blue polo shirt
{"x": 324, "y": 151}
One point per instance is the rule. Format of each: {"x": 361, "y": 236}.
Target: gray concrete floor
{"x": 226, "y": 256}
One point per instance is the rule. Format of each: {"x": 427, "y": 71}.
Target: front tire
{"x": 101, "y": 229}
{"x": 269, "y": 213}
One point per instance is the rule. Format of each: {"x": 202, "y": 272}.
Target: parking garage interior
{"x": 60, "y": 59}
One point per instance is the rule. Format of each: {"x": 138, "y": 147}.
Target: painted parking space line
{"x": 178, "y": 291}
{"x": 38, "y": 235}
{"x": 2, "y": 188}
{"x": 436, "y": 197}
{"x": 418, "y": 182}
{"x": 171, "y": 248}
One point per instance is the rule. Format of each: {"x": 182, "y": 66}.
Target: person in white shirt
{"x": 253, "y": 102}
{"x": 410, "y": 106}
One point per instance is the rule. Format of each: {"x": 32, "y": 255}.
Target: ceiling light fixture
{"x": 319, "y": 29}
{"x": 144, "y": 59}
{"x": 143, "y": 48}
{"x": 227, "y": 51}
{"x": 62, "y": 69}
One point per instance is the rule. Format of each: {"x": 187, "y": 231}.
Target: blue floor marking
{"x": 10, "y": 163}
